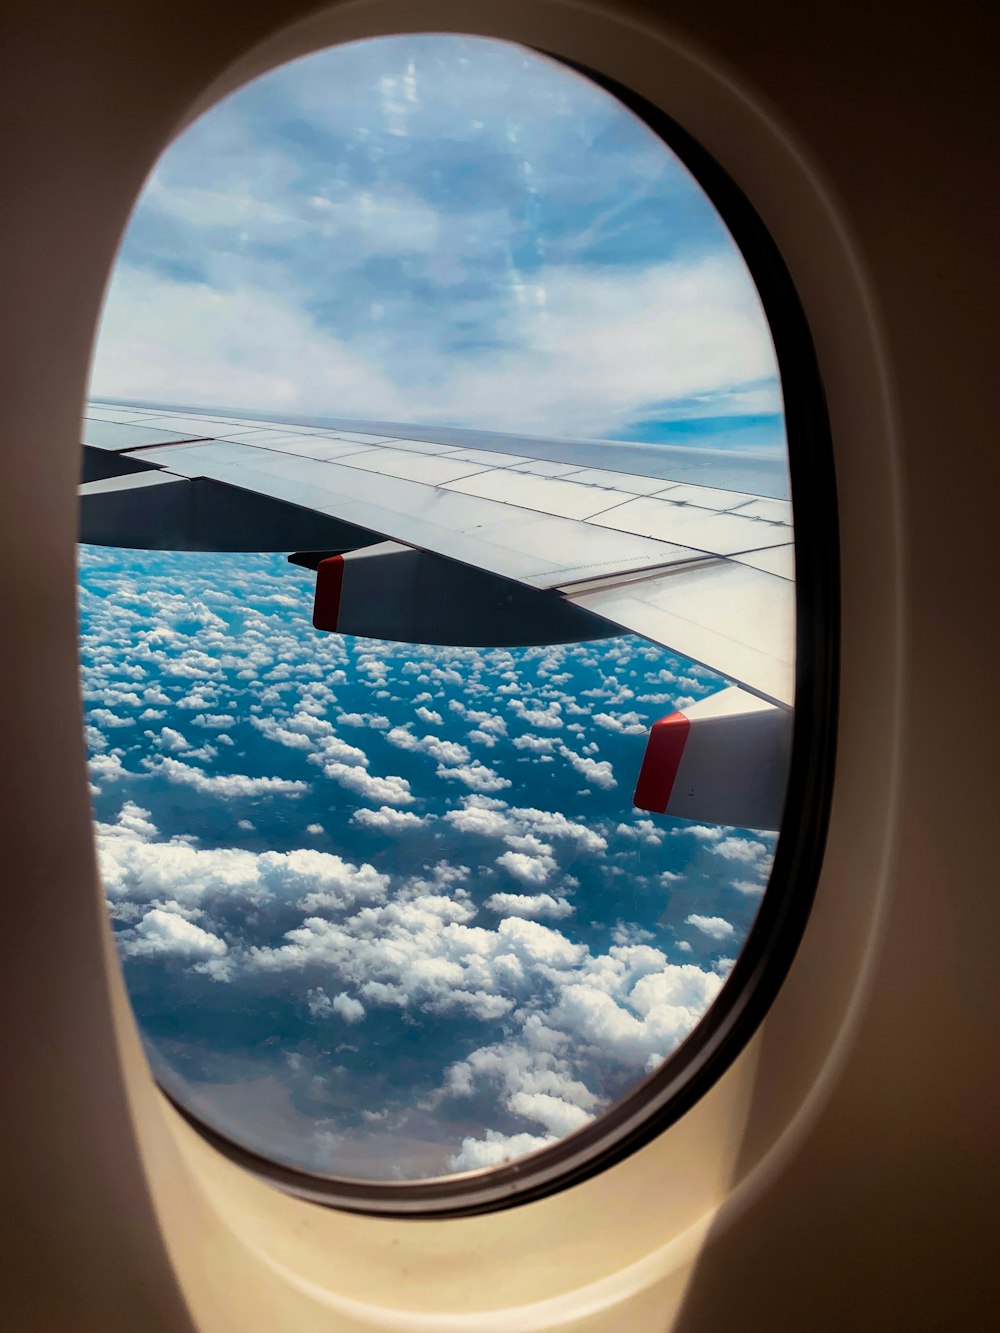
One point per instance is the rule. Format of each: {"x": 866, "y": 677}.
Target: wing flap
{"x": 737, "y": 620}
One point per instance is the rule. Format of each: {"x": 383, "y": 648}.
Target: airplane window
{"x": 438, "y": 624}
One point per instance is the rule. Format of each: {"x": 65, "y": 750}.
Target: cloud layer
{"x": 432, "y": 975}
{"x": 435, "y": 229}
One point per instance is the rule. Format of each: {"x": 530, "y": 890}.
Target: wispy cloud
{"x": 434, "y": 229}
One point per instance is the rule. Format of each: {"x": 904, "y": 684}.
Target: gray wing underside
{"x": 706, "y": 570}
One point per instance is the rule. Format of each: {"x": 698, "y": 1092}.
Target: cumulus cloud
{"x": 492, "y": 818}
{"x": 445, "y": 752}
{"x": 495, "y": 1148}
{"x": 106, "y": 768}
{"x": 476, "y": 816}
{"x": 138, "y": 867}
{"x": 388, "y": 820}
{"x": 162, "y": 932}
{"x": 388, "y": 791}
{"x": 597, "y": 771}
{"x": 750, "y": 887}
{"x": 475, "y": 775}
{"x": 537, "y": 744}
{"x": 529, "y": 869}
{"x": 626, "y": 724}
{"x": 703, "y": 832}
{"x": 642, "y": 830}
{"x": 104, "y": 717}
{"x": 216, "y": 721}
{"x": 343, "y": 1006}
{"x": 173, "y": 740}
{"x": 224, "y": 785}
{"x": 715, "y": 927}
{"x": 739, "y": 849}
{"x": 536, "y": 906}
{"x": 548, "y": 718}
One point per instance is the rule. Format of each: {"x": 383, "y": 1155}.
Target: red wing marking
{"x": 660, "y": 763}
{"x": 329, "y": 586}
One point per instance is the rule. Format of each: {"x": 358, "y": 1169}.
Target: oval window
{"x": 438, "y": 611}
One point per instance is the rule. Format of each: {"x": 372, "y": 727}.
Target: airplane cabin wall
{"x": 844, "y": 1173}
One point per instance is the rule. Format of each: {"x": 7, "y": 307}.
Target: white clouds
{"x": 476, "y": 817}
{"x": 703, "y": 832}
{"x": 559, "y": 1117}
{"x": 540, "y": 944}
{"x": 331, "y": 751}
{"x": 529, "y": 869}
{"x": 374, "y": 720}
{"x": 476, "y": 776}
{"x": 274, "y": 731}
{"x": 387, "y": 791}
{"x": 715, "y": 927}
{"x": 415, "y": 951}
{"x": 343, "y": 1006}
{"x": 740, "y": 849}
{"x": 216, "y": 721}
{"x": 628, "y": 1006}
{"x": 104, "y": 717}
{"x": 166, "y": 932}
{"x": 566, "y": 1022}
{"x": 627, "y": 724}
{"x": 548, "y": 718}
{"x": 645, "y": 831}
{"x": 445, "y": 752}
{"x": 107, "y": 768}
{"x": 388, "y": 820}
{"x": 136, "y": 867}
{"x": 537, "y": 906}
{"x": 173, "y": 740}
{"x": 537, "y": 744}
{"x": 167, "y": 341}
{"x": 597, "y": 771}
{"x": 600, "y": 348}
{"x": 552, "y": 824}
{"x": 491, "y": 818}
{"x": 225, "y": 785}
{"x": 320, "y": 881}
{"x": 752, "y": 888}
{"x": 495, "y": 1148}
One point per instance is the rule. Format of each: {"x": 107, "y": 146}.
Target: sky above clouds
{"x": 438, "y": 230}
{"x": 386, "y": 910}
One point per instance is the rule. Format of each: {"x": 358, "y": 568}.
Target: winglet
{"x": 660, "y": 763}
{"x": 329, "y": 586}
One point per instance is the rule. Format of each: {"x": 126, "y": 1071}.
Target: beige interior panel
{"x": 844, "y": 1173}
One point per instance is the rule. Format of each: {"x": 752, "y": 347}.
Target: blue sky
{"x": 386, "y": 910}
{"x": 437, "y": 229}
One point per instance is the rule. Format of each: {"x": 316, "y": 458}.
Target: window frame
{"x": 686, "y": 1075}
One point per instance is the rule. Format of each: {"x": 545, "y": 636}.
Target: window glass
{"x": 385, "y": 907}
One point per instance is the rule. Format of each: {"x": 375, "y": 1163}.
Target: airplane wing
{"x": 449, "y": 536}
